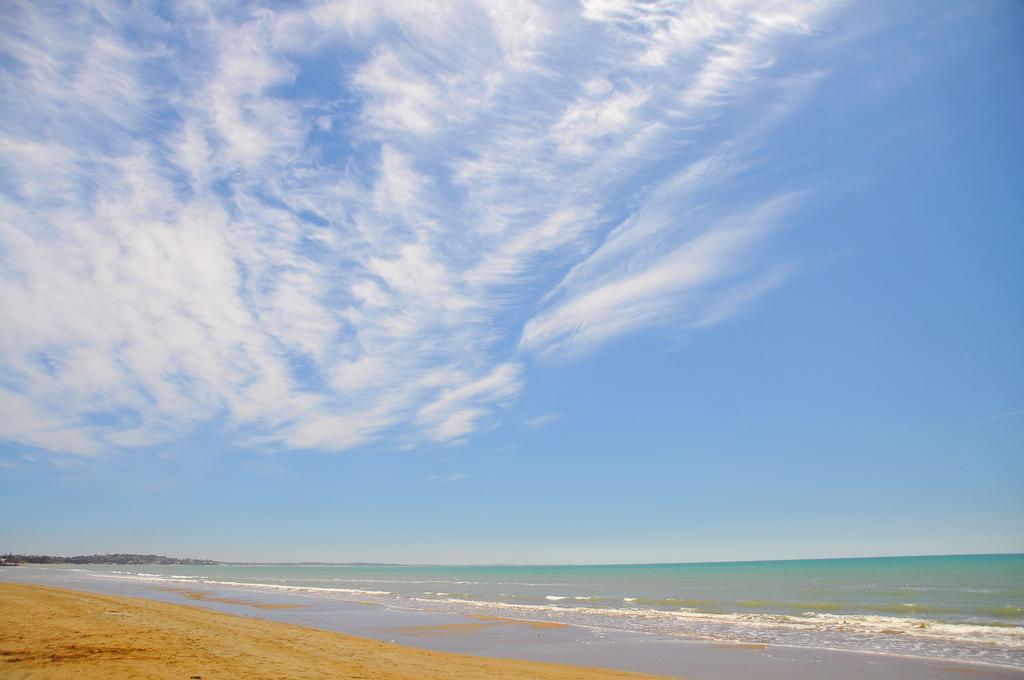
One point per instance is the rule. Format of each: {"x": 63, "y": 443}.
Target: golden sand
{"x": 55, "y": 633}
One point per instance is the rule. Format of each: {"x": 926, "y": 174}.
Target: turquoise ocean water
{"x": 968, "y": 608}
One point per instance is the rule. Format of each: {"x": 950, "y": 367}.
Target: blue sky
{"x": 514, "y": 281}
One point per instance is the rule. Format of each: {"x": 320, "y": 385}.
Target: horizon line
{"x": 371, "y": 563}
{"x": 609, "y": 564}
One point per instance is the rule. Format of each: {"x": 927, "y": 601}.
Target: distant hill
{"x": 118, "y": 558}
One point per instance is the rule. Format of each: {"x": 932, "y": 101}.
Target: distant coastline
{"x": 12, "y": 559}
{"x": 114, "y": 558}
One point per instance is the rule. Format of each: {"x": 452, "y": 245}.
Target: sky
{"x": 512, "y": 281}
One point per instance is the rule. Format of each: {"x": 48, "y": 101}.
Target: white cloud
{"x": 226, "y": 220}
{"x": 448, "y": 477}
{"x": 26, "y": 423}
{"x": 639, "y": 278}
{"x": 538, "y": 422}
{"x": 398, "y": 98}
{"x": 450, "y": 416}
{"x": 603, "y": 111}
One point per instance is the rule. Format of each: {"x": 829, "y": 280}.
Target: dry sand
{"x": 56, "y": 633}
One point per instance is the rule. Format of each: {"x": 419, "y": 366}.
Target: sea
{"x": 966, "y": 608}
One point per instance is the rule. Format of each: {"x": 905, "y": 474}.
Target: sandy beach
{"x": 56, "y": 633}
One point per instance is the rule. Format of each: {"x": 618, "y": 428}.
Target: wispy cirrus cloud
{"x": 447, "y": 477}
{"x": 336, "y": 222}
{"x": 540, "y": 421}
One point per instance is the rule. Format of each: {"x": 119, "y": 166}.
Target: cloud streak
{"x": 449, "y": 477}
{"x": 331, "y": 224}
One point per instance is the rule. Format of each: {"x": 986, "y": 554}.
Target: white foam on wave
{"x": 389, "y": 581}
{"x": 158, "y": 578}
{"x": 298, "y": 589}
{"x": 850, "y": 632}
{"x": 556, "y": 598}
{"x": 137, "y": 576}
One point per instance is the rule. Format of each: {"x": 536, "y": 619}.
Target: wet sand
{"x": 200, "y": 596}
{"x": 478, "y": 624}
{"x": 56, "y": 633}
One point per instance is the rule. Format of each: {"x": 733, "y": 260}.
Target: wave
{"x": 382, "y": 580}
{"x": 912, "y": 608}
{"x": 669, "y": 602}
{"x": 299, "y": 589}
{"x": 161, "y": 578}
{"x": 771, "y": 628}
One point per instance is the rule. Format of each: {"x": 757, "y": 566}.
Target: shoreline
{"x": 92, "y": 636}
{"x": 481, "y": 635}
{"x": 890, "y": 638}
